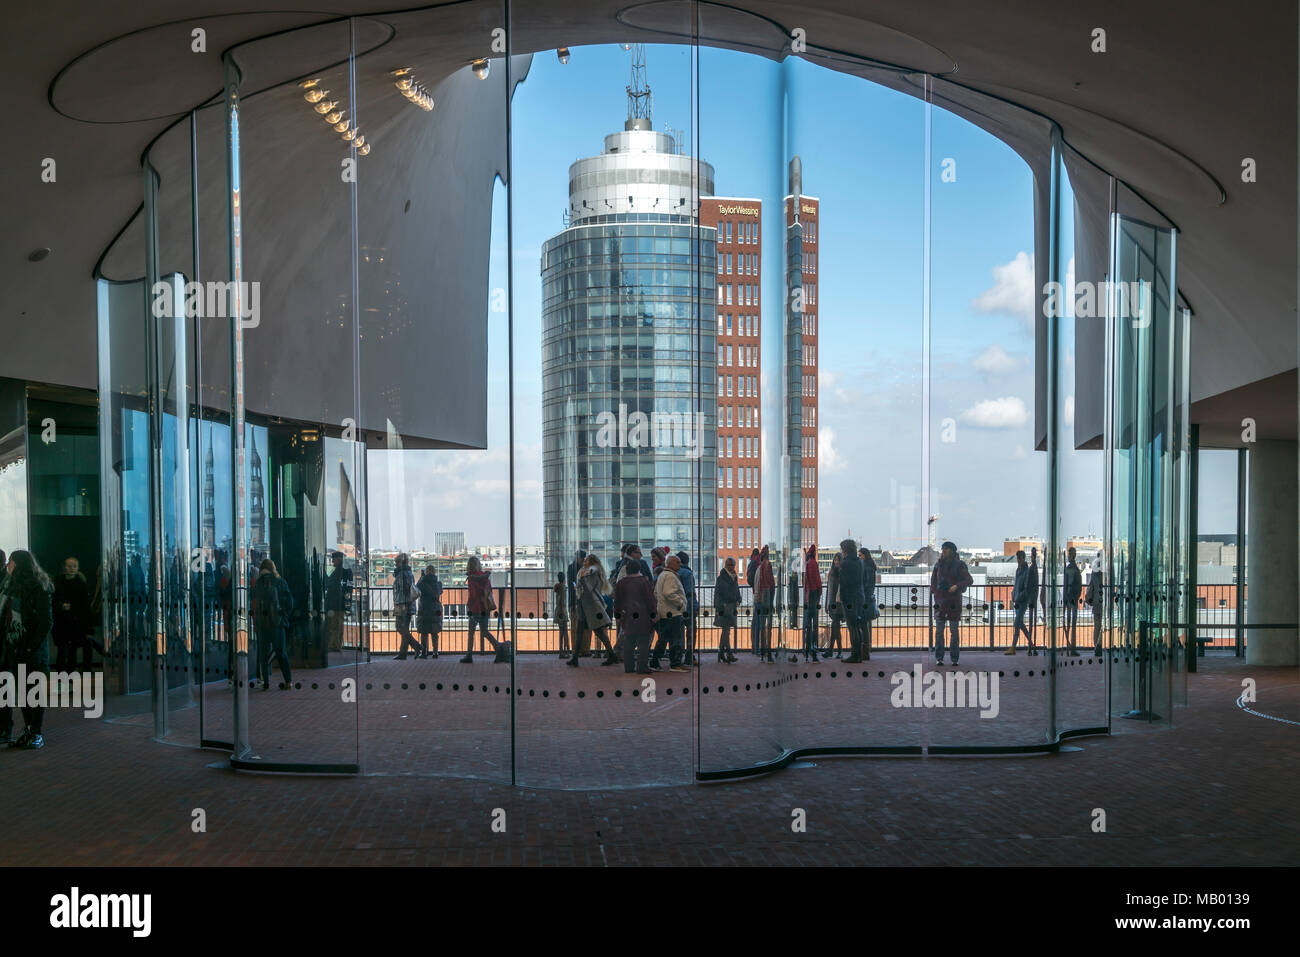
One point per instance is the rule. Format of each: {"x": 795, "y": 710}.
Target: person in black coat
{"x": 429, "y": 617}
{"x": 72, "y": 622}
{"x": 853, "y": 597}
{"x": 26, "y": 619}
{"x": 726, "y": 600}
{"x": 1073, "y": 591}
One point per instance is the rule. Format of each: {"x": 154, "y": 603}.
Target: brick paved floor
{"x": 1218, "y": 788}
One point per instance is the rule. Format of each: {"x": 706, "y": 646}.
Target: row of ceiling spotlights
{"x": 334, "y": 116}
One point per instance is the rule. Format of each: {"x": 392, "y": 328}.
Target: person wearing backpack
{"x": 272, "y": 605}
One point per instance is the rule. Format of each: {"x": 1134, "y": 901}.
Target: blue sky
{"x": 863, "y": 152}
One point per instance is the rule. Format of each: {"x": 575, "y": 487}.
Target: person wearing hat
{"x": 948, "y": 581}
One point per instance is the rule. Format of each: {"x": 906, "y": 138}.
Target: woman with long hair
{"x": 835, "y": 607}
{"x": 479, "y": 605}
{"x": 591, "y": 615}
{"x": 26, "y": 617}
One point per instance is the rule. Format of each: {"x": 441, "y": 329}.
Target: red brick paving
{"x": 1218, "y": 788}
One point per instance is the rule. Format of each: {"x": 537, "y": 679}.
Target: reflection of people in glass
{"x": 869, "y": 610}
{"x": 1021, "y": 598}
{"x": 26, "y": 618}
{"x": 726, "y": 599}
{"x": 1073, "y": 589}
{"x": 948, "y": 581}
{"x": 272, "y": 606}
{"x": 592, "y": 613}
{"x": 430, "y": 618}
{"x": 812, "y": 600}
{"x": 135, "y": 597}
{"x": 751, "y": 572}
{"x": 687, "y": 578}
{"x": 72, "y": 618}
{"x": 478, "y": 606}
{"x": 1096, "y": 601}
{"x": 338, "y": 595}
{"x": 671, "y": 602}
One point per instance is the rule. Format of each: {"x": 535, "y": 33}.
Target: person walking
{"x": 852, "y": 597}
{"x": 561, "y": 613}
{"x": 1021, "y": 597}
{"x": 72, "y": 624}
{"x": 726, "y": 600}
{"x": 479, "y": 605}
{"x": 430, "y": 616}
{"x": 1034, "y": 593}
{"x": 634, "y": 607}
{"x": 948, "y": 582}
{"x": 26, "y": 620}
{"x": 812, "y": 602}
{"x": 338, "y": 595}
{"x": 670, "y": 600}
{"x": 272, "y": 606}
{"x": 764, "y": 600}
{"x": 834, "y": 607}
{"x": 1096, "y": 601}
{"x": 405, "y": 599}
{"x": 1073, "y": 589}
{"x": 592, "y": 616}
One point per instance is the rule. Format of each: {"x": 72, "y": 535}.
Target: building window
{"x": 728, "y": 323}
{"x": 728, "y": 230}
{"x": 728, "y": 263}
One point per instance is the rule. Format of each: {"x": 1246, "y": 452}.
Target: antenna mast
{"x": 640, "y": 101}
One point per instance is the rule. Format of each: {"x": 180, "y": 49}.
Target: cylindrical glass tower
{"x": 629, "y": 356}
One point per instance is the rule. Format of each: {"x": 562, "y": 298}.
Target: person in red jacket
{"x": 764, "y": 593}
{"x": 812, "y": 602}
{"x": 478, "y": 606}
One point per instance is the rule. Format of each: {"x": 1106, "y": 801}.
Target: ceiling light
{"x": 36, "y": 255}
{"x": 308, "y": 84}
{"x": 349, "y": 134}
{"x": 340, "y": 126}
{"x": 324, "y": 106}
{"x": 364, "y": 150}
{"x": 563, "y": 54}
{"x": 335, "y": 116}
{"x": 481, "y": 67}
{"x": 314, "y": 96}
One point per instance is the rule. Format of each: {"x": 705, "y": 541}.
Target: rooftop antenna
{"x": 640, "y": 101}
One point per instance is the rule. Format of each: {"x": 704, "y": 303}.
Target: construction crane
{"x": 932, "y": 521}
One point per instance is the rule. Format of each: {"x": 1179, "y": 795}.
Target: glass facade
{"x": 381, "y": 388}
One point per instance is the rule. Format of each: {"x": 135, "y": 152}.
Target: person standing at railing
{"x": 852, "y": 597}
{"x": 670, "y": 600}
{"x": 1034, "y": 594}
{"x": 751, "y": 571}
{"x": 948, "y": 581}
{"x": 834, "y": 607}
{"x": 592, "y": 615}
{"x": 479, "y": 605}
{"x": 1073, "y": 589}
{"x": 405, "y": 597}
{"x": 1096, "y": 601}
{"x": 870, "y": 611}
{"x": 764, "y": 599}
{"x": 1021, "y": 597}
{"x": 634, "y": 606}
{"x": 687, "y": 578}
{"x": 726, "y": 600}
{"x": 272, "y": 607}
{"x": 430, "y": 616}
{"x": 812, "y": 601}
{"x": 561, "y": 613}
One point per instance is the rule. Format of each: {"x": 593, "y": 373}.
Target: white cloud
{"x": 1012, "y": 292}
{"x": 994, "y": 361}
{"x": 1008, "y": 412}
{"x": 828, "y": 459}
